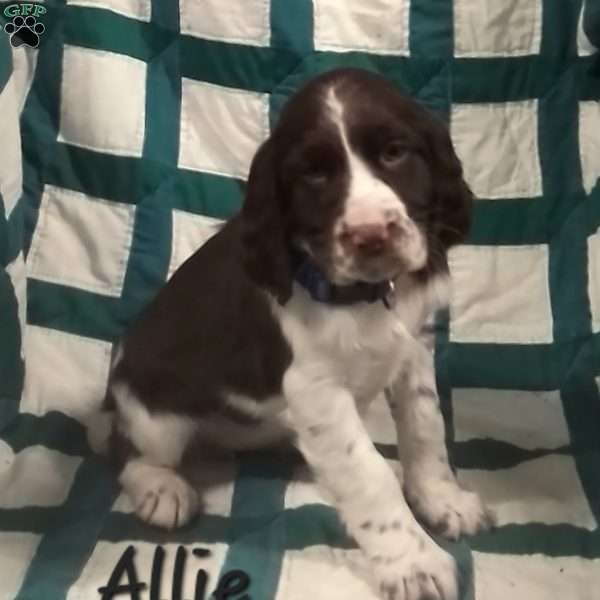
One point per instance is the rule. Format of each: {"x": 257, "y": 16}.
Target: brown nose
{"x": 368, "y": 239}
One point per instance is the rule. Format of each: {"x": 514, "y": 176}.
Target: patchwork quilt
{"x": 126, "y": 132}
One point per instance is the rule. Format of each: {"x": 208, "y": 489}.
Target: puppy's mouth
{"x": 345, "y": 262}
{"x": 341, "y": 268}
{"x": 379, "y": 269}
{"x": 377, "y": 263}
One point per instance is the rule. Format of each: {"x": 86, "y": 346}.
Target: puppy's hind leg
{"x": 149, "y": 447}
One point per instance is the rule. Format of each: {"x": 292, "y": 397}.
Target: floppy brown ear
{"x": 454, "y": 199}
{"x": 264, "y": 230}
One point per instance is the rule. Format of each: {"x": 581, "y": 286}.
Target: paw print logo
{"x": 24, "y": 31}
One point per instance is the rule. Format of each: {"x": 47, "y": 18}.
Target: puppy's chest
{"x": 364, "y": 347}
{"x": 372, "y": 356}
{"x": 367, "y": 369}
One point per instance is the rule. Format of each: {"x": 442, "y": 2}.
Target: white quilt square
{"x": 17, "y": 271}
{"x": 593, "y": 244}
{"x": 136, "y": 9}
{"x": 35, "y": 476}
{"x": 190, "y": 231}
{"x": 17, "y": 550}
{"x": 11, "y": 175}
{"x": 535, "y": 577}
{"x": 526, "y": 419}
{"x": 584, "y": 45}
{"x": 240, "y": 21}
{"x": 108, "y": 113}
{"x": 380, "y": 26}
{"x": 325, "y": 573}
{"x": 500, "y": 294}
{"x": 589, "y": 142}
{"x": 65, "y": 373}
{"x": 497, "y": 27}
{"x": 498, "y": 146}
{"x": 221, "y": 128}
{"x": 81, "y": 241}
{"x": 544, "y": 490}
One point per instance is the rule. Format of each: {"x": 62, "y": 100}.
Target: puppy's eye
{"x": 315, "y": 176}
{"x": 393, "y": 154}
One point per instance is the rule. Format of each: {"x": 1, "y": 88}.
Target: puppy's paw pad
{"x": 449, "y": 509}
{"x": 160, "y": 496}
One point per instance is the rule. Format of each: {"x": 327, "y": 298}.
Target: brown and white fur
{"x": 234, "y": 352}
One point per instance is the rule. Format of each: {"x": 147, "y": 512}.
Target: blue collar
{"x": 314, "y": 281}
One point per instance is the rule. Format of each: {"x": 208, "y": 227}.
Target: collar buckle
{"x": 390, "y": 294}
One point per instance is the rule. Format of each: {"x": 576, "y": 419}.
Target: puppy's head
{"x": 360, "y": 177}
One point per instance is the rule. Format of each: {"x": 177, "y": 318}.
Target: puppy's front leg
{"x": 407, "y": 563}
{"x": 429, "y": 483}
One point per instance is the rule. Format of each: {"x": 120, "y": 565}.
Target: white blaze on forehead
{"x": 369, "y": 198}
{"x": 336, "y": 109}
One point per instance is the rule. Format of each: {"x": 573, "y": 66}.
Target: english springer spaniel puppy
{"x": 298, "y": 313}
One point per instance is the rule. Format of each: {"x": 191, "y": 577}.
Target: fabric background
{"x": 129, "y": 132}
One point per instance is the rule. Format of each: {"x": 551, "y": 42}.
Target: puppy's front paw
{"x": 447, "y": 508}
{"x": 160, "y": 496}
{"x": 426, "y": 573}
{"x": 168, "y": 504}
